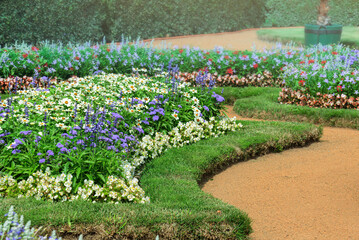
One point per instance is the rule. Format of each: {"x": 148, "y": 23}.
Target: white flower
{"x": 66, "y": 101}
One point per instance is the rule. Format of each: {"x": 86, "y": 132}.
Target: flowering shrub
{"x": 62, "y": 62}
{"x": 324, "y": 70}
{"x": 93, "y": 132}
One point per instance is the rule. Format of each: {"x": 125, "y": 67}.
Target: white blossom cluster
{"x": 185, "y": 133}
{"x": 41, "y": 185}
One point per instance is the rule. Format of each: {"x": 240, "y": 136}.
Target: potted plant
{"x": 323, "y": 32}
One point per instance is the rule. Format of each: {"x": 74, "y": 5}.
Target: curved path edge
{"x": 303, "y": 193}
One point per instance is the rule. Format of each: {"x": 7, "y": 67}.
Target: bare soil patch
{"x": 303, "y": 193}
{"x": 239, "y": 40}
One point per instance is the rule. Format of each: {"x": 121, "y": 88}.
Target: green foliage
{"x": 291, "y": 12}
{"x": 174, "y": 17}
{"x": 345, "y": 12}
{"x": 299, "y": 12}
{"x": 90, "y": 20}
{"x": 54, "y": 20}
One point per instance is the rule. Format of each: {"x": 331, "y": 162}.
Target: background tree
{"x": 323, "y": 16}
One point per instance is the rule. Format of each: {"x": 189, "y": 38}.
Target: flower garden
{"x": 88, "y": 123}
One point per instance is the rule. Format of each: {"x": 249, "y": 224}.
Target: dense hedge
{"x": 83, "y": 20}
{"x": 299, "y": 12}
{"x": 34, "y": 20}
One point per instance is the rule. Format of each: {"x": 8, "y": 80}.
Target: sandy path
{"x": 239, "y": 40}
{"x": 303, "y": 193}
{"x": 300, "y": 194}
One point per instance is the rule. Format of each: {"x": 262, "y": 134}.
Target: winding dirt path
{"x": 303, "y": 193}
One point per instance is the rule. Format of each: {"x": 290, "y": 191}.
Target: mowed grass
{"x": 179, "y": 209}
{"x": 263, "y": 103}
{"x": 350, "y": 35}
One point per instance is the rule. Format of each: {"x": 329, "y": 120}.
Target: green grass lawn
{"x": 350, "y": 35}
{"x": 262, "y": 103}
{"x": 179, "y": 209}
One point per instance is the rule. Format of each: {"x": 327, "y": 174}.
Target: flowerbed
{"x": 323, "y": 77}
{"x": 290, "y": 96}
{"x": 315, "y": 71}
{"x": 62, "y": 62}
{"x": 85, "y": 137}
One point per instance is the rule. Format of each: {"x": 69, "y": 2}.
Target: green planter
{"x": 315, "y": 34}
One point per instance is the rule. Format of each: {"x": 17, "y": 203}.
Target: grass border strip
{"x": 179, "y": 208}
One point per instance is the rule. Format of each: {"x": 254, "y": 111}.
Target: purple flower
{"x": 59, "y": 145}
{"x": 155, "y": 118}
{"x": 206, "y": 108}
{"x": 15, "y": 151}
{"x": 39, "y": 154}
{"x": 179, "y": 106}
{"x": 26, "y": 132}
{"x": 111, "y": 148}
{"x": 42, "y": 160}
{"x": 50, "y": 153}
{"x": 219, "y": 98}
{"x": 63, "y": 149}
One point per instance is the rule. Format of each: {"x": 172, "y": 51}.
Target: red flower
{"x": 210, "y": 59}
{"x": 335, "y": 53}
{"x": 217, "y": 52}
{"x": 301, "y": 82}
{"x": 25, "y": 55}
{"x": 289, "y": 53}
{"x": 34, "y": 49}
{"x": 180, "y": 51}
{"x": 207, "y": 53}
{"x": 71, "y": 69}
{"x": 205, "y": 69}
{"x": 46, "y": 65}
{"x": 230, "y": 71}
{"x": 204, "y": 57}
{"x": 77, "y": 58}
{"x": 226, "y": 57}
{"x": 108, "y": 50}
{"x": 244, "y": 56}
{"x": 323, "y": 62}
{"x": 311, "y": 61}
{"x": 255, "y": 65}
{"x": 236, "y": 52}
{"x": 339, "y": 88}
{"x": 301, "y": 62}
